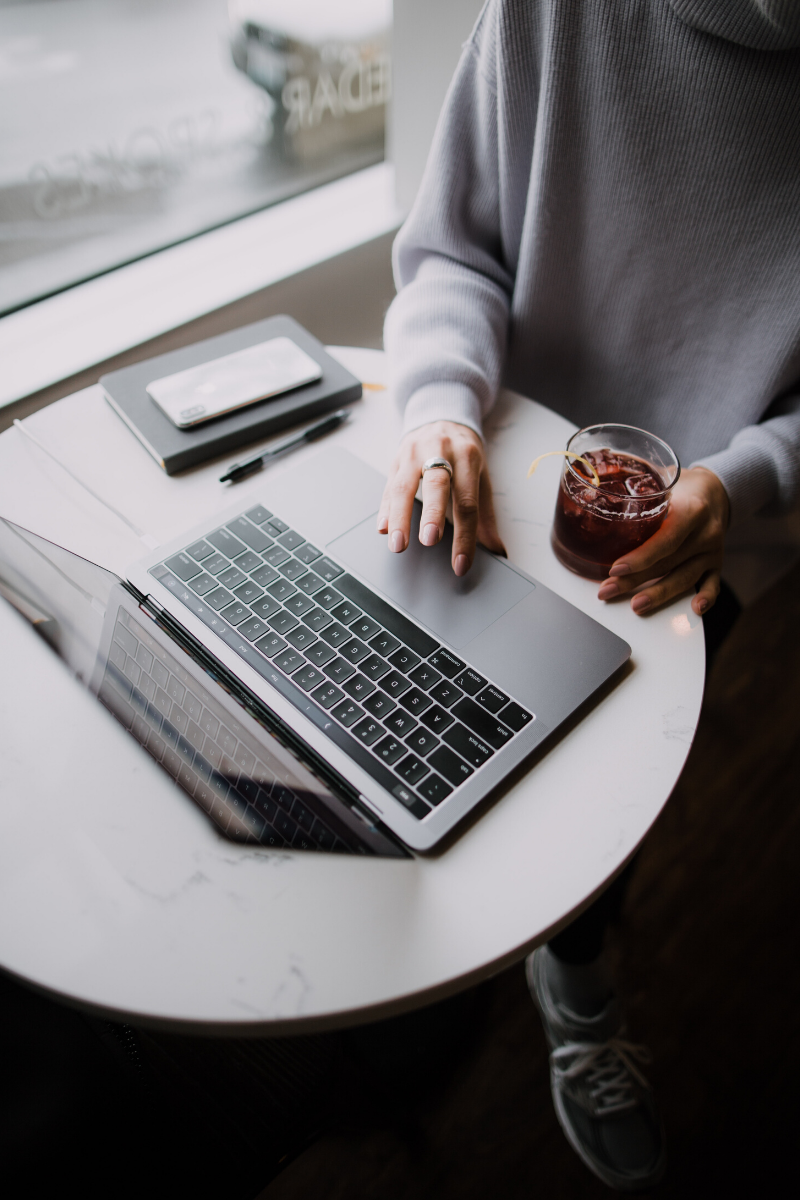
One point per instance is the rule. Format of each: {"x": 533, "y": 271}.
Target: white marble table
{"x": 117, "y": 895}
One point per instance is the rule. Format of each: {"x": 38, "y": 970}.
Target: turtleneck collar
{"x": 759, "y": 24}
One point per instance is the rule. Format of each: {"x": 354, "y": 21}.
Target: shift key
{"x": 482, "y": 722}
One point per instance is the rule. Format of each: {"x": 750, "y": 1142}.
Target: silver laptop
{"x": 402, "y": 695}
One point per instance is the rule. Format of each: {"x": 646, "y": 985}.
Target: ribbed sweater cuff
{"x": 443, "y": 402}
{"x": 747, "y": 472}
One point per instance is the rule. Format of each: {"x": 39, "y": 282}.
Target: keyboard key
{"x": 270, "y": 645}
{"x": 368, "y": 731}
{"x": 328, "y": 597}
{"x": 450, "y": 765}
{"x": 375, "y": 668}
{"x": 285, "y": 826}
{"x": 514, "y": 716}
{"x": 248, "y": 592}
{"x": 317, "y": 619}
{"x": 224, "y": 541}
{"x": 298, "y": 604}
{"x": 259, "y": 514}
{"x": 234, "y": 614}
{"x": 209, "y": 723}
{"x": 339, "y": 670}
{"x": 412, "y": 770}
{"x": 327, "y": 695}
{"x": 390, "y": 750}
{"x": 183, "y": 566}
{"x": 310, "y": 583}
{"x": 346, "y": 612}
{"x": 468, "y": 745}
{"x": 219, "y": 598}
{"x": 265, "y": 575}
{"x": 434, "y": 790}
{"x": 200, "y": 550}
{"x": 310, "y": 677}
{"x": 488, "y": 728}
{"x": 276, "y": 556}
{"x": 470, "y": 681}
{"x": 215, "y": 564}
{"x": 203, "y": 583}
{"x": 400, "y": 723}
{"x": 422, "y": 742}
{"x": 412, "y": 802}
{"x": 278, "y": 525}
{"x": 301, "y": 638}
{"x": 320, "y": 654}
{"x": 492, "y": 698}
{"x": 265, "y": 607}
{"x": 437, "y": 719}
{"x": 282, "y": 590}
{"x": 424, "y": 676}
{"x": 395, "y": 684}
{"x": 387, "y": 616}
{"x": 354, "y": 651}
{"x": 303, "y": 815}
{"x": 322, "y": 835}
{"x": 252, "y": 629}
{"x": 359, "y": 688}
{"x": 336, "y": 635}
{"x": 384, "y": 643}
{"x": 292, "y": 569}
{"x": 378, "y": 705}
{"x": 291, "y": 540}
{"x": 308, "y": 553}
{"x": 404, "y": 659}
{"x": 415, "y": 702}
{"x": 254, "y": 537}
{"x": 446, "y": 693}
{"x": 282, "y": 622}
{"x": 232, "y": 577}
{"x": 446, "y": 662}
{"x": 347, "y": 713}
{"x": 289, "y": 661}
{"x": 327, "y": 568}
{"x": 249, "y": 562}
{"x": 366, "y": 628}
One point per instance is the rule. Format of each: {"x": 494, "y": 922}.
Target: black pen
{"x": 241, "y": 470}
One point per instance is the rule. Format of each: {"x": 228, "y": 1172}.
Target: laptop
{"x": 304, "y": 686}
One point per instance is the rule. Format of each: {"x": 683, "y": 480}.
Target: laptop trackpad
{"x": 422, "y": 582}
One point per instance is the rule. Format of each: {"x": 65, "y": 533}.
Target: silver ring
{"x": 431, "y": 464}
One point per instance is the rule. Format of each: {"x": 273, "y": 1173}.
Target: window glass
{"x": 129, "y": 125}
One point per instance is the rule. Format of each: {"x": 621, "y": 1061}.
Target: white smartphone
{"x": 226, "y": 384}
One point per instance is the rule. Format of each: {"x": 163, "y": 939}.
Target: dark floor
{"x": 706, "y": 955}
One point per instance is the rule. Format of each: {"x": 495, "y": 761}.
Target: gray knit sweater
{"x": 610, "y": 222}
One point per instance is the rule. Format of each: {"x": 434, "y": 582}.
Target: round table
{"x": 116, "y": 893}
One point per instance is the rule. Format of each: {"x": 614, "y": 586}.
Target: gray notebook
{"x": 177, "y": 449}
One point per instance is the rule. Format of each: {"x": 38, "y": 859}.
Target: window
{"x": 130, "y": 125}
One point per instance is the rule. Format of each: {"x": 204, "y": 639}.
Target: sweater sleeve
{"x": 760, "y": 469}
{"x": 445, "y": 331}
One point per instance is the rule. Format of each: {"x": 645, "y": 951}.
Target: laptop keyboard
{"x": 415, "y": 716}
{"x": 206, "y": 750}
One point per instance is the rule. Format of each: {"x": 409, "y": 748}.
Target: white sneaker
{"x": 603, "y": 1102}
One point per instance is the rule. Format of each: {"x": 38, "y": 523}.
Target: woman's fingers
{"x": 435, "y": 496}
{"x": 707, "y": 592}
{"x": 674, "y": 584}
{"x": 465, "y": 490}
{"x": 402, "y": 489}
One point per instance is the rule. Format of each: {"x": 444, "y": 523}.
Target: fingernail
{"x": 430, "y": 535}
{"x": 640, "y": 604}
{"x": 397, "y": 543}
{"x": 702, "y": 605}
{"x": 607, "y": 591}
{"x": 619, "y": 569}
{"x": 461, "y": 565}
{"x": 383, "y": 525}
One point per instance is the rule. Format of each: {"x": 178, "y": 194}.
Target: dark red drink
{"x": 596, "y": 524}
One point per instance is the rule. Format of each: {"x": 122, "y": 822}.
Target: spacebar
{"x": 419, "y": 641}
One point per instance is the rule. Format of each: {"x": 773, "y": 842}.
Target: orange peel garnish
{"x": 566, "y": 454}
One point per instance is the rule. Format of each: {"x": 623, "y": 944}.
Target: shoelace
{"x": 609, "y": 1069}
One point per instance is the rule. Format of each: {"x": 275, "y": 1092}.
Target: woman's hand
{"x": 471, "y": 490}
{"x": 686, "y": 550}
